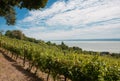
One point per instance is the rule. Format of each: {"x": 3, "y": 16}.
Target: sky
{"x": 69, "y": 19}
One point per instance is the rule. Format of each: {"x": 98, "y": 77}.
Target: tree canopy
{"x": 8, "y": 12}
{"x": 19, "y": 35}
{"x": 15, "y": 34}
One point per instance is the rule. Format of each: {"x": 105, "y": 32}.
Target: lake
{"x": 110, "y": 46}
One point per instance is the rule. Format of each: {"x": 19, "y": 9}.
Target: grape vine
{"x": 51, "y": 60}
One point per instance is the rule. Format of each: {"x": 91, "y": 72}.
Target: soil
{"x": 13, "y": 70}
{"x": 10, "y": 70}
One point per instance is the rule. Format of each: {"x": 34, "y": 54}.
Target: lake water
{"x": 110, "y": 46}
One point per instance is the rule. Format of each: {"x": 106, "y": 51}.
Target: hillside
{"x": 10, "y": 70}
{"x": 54, "y": 62}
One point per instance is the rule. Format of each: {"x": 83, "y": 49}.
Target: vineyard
{"x": 53, "y": 61}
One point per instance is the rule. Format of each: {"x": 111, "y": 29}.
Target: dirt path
{"x": 11, "y": 71}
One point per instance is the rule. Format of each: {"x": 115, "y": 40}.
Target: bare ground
{"x": 10, "y": 70}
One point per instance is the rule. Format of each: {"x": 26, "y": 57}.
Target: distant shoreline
{"x": 98, "y": 45}
{"x": 87, "y": 40}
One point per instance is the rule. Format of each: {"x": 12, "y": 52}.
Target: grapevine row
{"x": 51, "y": 60}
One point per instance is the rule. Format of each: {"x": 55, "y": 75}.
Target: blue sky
{"x": 70, "y": 19}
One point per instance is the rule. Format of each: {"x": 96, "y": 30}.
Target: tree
{"x": 8, "y": 12}
{"x": 63, "y": 46}
{"x": 15, "y": 34}
{"x": 77, "y": 49}
{"x": 1, "y": 32}
{"x": 48, "y": 43}
{"x": 8, "y": 33}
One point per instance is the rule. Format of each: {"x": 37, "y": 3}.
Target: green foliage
{"x": 76, "y": 67}
{"x": 8, "y": 12}
{"x": 63, "y": 46}
{"x": 19, "y": 35}
{"x": 15, "y": 34}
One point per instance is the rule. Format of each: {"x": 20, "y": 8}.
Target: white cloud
{"x": 87, "y": 15}
{"x": 75, "y": 19}
{"x": 106, "y": 31}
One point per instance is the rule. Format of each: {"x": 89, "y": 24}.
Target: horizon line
{"x": 93, "y": 39}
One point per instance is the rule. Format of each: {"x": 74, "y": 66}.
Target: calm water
{"x": 111, "y": 46}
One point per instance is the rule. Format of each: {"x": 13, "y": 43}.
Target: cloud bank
{"x": 74, "y": 19}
